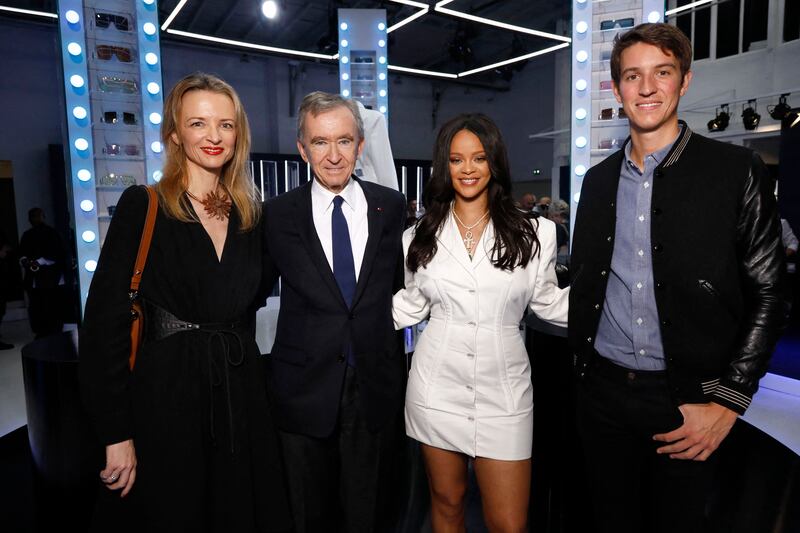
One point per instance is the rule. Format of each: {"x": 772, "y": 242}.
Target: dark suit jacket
{"x": 315, "y": 327}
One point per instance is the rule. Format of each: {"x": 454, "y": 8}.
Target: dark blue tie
{"x": 344, "y": 269}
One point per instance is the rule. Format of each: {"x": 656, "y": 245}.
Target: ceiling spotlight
{"x": 779, "y": 111}
{"x": 269, "y": 9}
{"x": 750, "y": 117}
{"x": 721, "y": 121}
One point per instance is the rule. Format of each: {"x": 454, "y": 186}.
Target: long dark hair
{"x": 515, "y": 237}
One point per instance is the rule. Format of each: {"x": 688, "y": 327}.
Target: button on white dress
{"x": 469, "y": 389}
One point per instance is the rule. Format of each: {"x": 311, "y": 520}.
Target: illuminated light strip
{"x": 424, "y": 72}
{"x": 514, "y": 60}
{"x": 503, "y": 25}
{"x": 29, "y": 12}
{"x": 687, "y": 7}
{"x": 423, "y": 10}
{"x": 243, "y": 44}
{"x": 173, "y": 15}
{"x": 405, "y": 21}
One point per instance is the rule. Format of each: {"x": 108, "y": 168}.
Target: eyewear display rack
{"x": 112, "y": 81}
{"x": 363, "y": 64}
{"x": 599, "y": 126}
{"x": 609, "y": 127}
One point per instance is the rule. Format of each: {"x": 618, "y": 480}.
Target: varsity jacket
{"x": 718, "y": 267}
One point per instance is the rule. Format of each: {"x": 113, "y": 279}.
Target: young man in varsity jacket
{"x": 676, "y": 300}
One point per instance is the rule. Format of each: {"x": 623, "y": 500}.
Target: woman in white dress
{"x": 473, "y": 263}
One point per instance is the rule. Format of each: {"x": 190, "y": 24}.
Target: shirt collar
{"x": 325, "y": 197}
{"x": 658, "y": 155}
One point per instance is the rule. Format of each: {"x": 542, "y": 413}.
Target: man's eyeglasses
{"x": 112, "y": 117}
{"x": 104, "y": 20}
{"x": 614, "y": 24}
{"x": 113, "y": 84}
{"x": 121, "y": 149}
{"x": 106, "y": 52}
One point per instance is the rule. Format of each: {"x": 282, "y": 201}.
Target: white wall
{"x": 739, "y": 78}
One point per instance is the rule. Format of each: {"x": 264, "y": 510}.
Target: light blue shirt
{"x": 628, "y": 333}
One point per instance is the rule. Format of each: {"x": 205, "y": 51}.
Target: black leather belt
{"x": 160, "y": 324}
{"x": 605, "y": 367}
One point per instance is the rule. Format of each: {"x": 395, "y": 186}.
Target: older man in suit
{"x": 337, "y": 370}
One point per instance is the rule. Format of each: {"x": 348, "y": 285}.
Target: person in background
{"x": 676, "y": 301}
{"x": 559, "y": 214}
{"x": 43, "y": 257}
{"x": 411, "y": 212}
{"x": 474, "y": 263}
{"x": 527, "y": 202}
{"x": 189, "y": 440}
{"x": 543, "y": 205}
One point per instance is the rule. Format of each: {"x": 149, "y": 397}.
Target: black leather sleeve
{"x": 763, "y": 276}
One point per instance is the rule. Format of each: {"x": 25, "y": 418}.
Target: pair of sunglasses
{"x": 111, "y": 179}
{"x": 362, "y": 59}
{"x": 104, "y": 20}
{"x": 121, "y": 149}
{"x": 106, "y": 52}
{"x": 618, "y": 23}
{"x": 114, "y": 84}
{"x": 609, "y": 113}
{"x": 608, "y": 144}
{"x": 605, "y": 85}
{"x": 112, "y": 117}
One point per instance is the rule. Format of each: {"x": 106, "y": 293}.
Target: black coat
{"x": 196, "y": 402}
{"x": 717, "y": 267}
{"x": 307, "y": 364}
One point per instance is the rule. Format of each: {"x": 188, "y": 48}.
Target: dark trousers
{"x": 633, "y": 489}
{"x": 342, "y": 483}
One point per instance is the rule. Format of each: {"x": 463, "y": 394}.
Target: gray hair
{"x": 559, "y": 207}
{"x": 320, "y": 102}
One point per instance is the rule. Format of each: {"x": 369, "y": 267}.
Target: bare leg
{"x": 505, "y": 490}
{"x": 447, "y": 479}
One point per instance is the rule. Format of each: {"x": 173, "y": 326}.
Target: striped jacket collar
{"x": 677, "y": 148}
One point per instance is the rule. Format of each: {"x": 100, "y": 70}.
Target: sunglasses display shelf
{"x": 364, "y": 77}
{"x": 609, "y": 127}
{"x": 115, "y": 96}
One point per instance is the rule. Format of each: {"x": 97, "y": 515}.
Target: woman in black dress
{"x": 188, "y": 435}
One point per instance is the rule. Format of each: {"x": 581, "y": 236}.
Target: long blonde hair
{"x": 235, "y": 175}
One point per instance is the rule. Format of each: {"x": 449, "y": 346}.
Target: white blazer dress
{"x": 470, "y": 389}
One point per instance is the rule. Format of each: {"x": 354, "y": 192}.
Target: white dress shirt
{"x": 354, "y": 209}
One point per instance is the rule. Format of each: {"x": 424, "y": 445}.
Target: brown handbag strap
{"x": 147, "y": 236}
